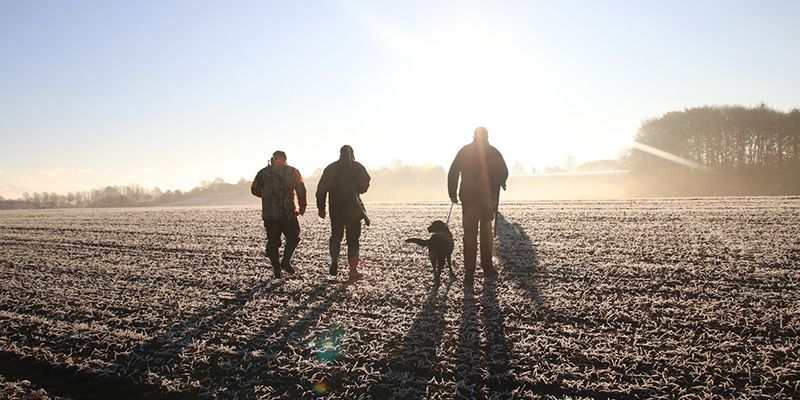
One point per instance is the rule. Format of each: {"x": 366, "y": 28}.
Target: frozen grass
{"x": 644, "y": 298}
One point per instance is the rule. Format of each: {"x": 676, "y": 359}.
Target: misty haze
{"x": 399, "y": 200}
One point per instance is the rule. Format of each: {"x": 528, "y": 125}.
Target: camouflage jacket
{"x": 277, "y": 185}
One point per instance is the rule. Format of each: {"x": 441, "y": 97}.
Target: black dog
{"x": 440, "y": 247}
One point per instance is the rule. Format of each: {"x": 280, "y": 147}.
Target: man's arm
{"x": 256, "y": 188}
{"x": 452, "y": 178}
{"x": 322, "y": 191}
{"x": 363, "y": 180}
{"x": 501, "y": 171}
{"x": 300, "y": 191}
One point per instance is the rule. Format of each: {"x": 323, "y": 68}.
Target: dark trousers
{"x": 338, "y": 228}
{"x": 289, "y": 228}
{"x": 477, "y": 218}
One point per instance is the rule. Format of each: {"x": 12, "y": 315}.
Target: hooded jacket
{"x": 340, "y": 183}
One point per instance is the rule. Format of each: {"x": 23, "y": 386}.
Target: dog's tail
{"x": 421, "y": 242}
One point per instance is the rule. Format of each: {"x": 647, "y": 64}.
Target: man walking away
{"x": 276, "y": 185}
{"x": 343, "y": 181}
{"x": 483, "y": 172}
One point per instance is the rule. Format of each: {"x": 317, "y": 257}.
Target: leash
{"x": 448, "y": 214}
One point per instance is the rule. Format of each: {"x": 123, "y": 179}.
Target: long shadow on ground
{"x": 483, "y": 369}
{"x": 126, "y": 377}
{"x": 260, "y": 372}
{"x": 520, "y": 261}
{"x": 407, "y": 373}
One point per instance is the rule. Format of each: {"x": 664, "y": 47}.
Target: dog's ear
{"x": 437, "y": 226}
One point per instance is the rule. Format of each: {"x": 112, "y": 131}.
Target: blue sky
{"x": 169, "y": 93}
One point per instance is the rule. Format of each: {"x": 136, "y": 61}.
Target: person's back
{"x": 343, "y": 181}
{"x": 277, "y": 185}
{"x": 483, "y": 172}
{"x": 339, "y": 180}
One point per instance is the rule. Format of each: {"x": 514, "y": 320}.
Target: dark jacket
{"x": 483, "y": 171}
{"x": 340, "y": 183}
{"x": 277, "y": 185}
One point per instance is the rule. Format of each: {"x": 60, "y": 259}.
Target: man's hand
{"x": 302, "y": 210}
{"x": 454, "y": 200}
{"x": 322, "y": 213}
{"x": 503, "y": 186}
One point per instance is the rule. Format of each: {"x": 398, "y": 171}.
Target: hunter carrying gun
{"x": 343, "y": 181}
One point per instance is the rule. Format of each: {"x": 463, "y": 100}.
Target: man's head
{"x": 346, "y": 151}
{"x": 481, "y": 134}
{"x": 278, "y": 156}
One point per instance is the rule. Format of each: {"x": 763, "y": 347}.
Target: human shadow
{"x": 159, "y": 351}
{"x": 519, "y": 259}
{"x": 469, "y": 377}
{"x": 407, "y": 373}
{"x": 483, "y": 369}
{"x": 126, "y": 377}
{"x": 520, "y": 263}
{"x": 239, "y": 372}
{"x": 496, "y": 349}
{"x": 279, "y": 339}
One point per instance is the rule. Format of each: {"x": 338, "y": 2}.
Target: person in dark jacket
{"x": 342, "y": 182}
{"x": 483, "y": 172}
{"x": 276, "y": 185}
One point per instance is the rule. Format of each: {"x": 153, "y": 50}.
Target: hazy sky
{"x": 168, "y": 93}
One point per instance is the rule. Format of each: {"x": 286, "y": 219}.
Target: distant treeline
{"x": 743, "y": 151}
{"x": 726, "y": 138}
{"x": 117, "y": 196}
{"x": 750, "y": 151}
{"x": 399, "y": 182}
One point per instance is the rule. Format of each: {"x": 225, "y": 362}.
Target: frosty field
{"x": 639, "y": 298}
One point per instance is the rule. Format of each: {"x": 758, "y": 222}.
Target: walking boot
{"x": 276, "y": 269}
{"x": 334, "y": 268}
{"x": 287, "y": 266}
{"x": 276, "y": 264}
{"x": 354, "y": 274}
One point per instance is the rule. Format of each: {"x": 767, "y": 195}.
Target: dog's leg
{"x": 450, "y": 265}
{"x": 435, "y": 270}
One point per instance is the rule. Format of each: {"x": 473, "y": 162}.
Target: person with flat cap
{"x": 342, "y": 182}
{"x": 483, "y": 172}
{"x": 276, "y": 185}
